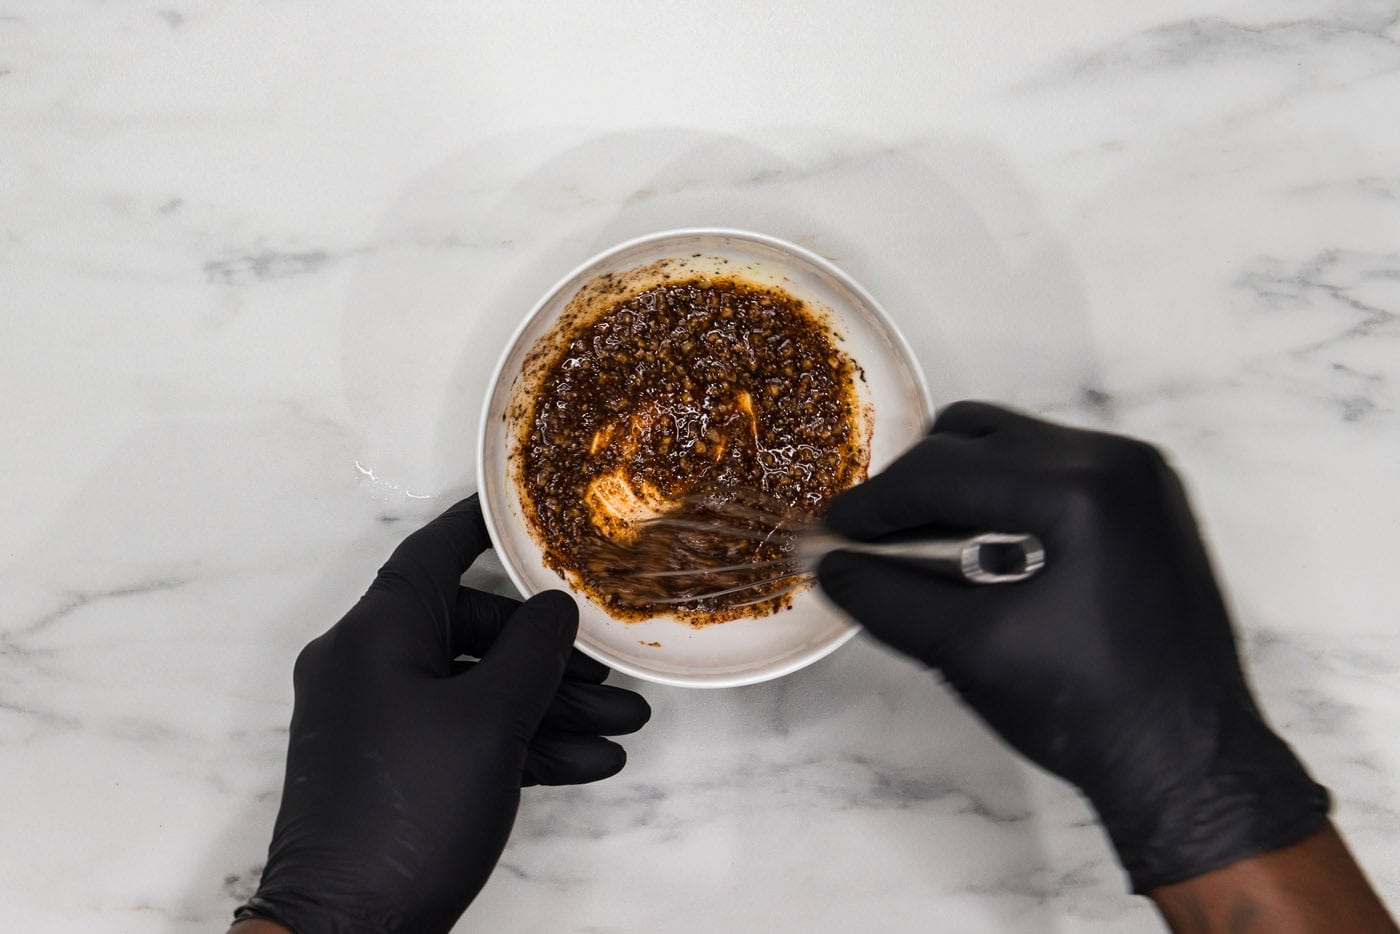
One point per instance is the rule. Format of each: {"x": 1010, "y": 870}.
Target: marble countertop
{"x": 256, "y": 262}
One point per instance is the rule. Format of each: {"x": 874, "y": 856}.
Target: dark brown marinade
{"x": 713, "y": 384}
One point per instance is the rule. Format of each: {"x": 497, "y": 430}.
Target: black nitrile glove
{"x": 404, "y": 767}
{"x": 1115, "y": 667}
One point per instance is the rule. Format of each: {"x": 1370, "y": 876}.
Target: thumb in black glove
{"x": 404, "y": 767}
{"x": 1115, "y": 667}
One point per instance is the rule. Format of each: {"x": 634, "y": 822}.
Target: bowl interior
{"x": 746, "y": 650}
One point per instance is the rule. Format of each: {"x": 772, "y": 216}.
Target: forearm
{"x": 1311, "y": 886}
{"x": 255, "y": 926}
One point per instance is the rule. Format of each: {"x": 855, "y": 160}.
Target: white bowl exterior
{"x": 742, "y": 651}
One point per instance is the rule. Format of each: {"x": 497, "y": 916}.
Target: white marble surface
{"x": 256, "y": 260}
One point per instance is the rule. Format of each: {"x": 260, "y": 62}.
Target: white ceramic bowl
{"x": 742, "y": 651}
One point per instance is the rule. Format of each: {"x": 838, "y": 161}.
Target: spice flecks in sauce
{"x": 640, "y": 395}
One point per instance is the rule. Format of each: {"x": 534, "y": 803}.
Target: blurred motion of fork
{"x": 716, "y": 545}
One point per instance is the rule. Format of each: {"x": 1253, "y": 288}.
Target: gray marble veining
{"x": 256, "y": 264}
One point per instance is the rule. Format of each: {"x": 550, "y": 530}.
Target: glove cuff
{"x": 302, "y": 916}
{"x": 1256, "y": 798}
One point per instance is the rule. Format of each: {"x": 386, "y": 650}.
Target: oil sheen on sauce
{"x": 706, "y": 382}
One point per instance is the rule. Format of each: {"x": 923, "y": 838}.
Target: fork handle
{"x": 963, "y": 557}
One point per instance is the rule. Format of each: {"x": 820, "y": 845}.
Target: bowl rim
{"x": 796, "y": 662}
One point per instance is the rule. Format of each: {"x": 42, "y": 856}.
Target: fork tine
{"x": 762, "y": 512}
{"x": 729, "y": 590}
{"x": 688, "y": 525}
{"x": 722, "y": 569}
{"x": 773, "y": 596}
